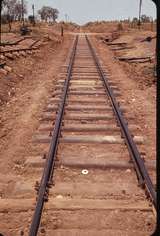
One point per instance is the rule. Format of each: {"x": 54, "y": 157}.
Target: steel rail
{"x": 52, "y": 151}
{"x": 140, "y": 168}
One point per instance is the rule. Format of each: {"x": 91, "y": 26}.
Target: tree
{"x": 54, "y": 14}
{"x": 18, "y": 11}
{"x": 8, "y": 7}
{"x": 145, "y": 19}
{"x": 48, "y": 13}
{"x": 31, "y": 19}
{"x": 12, "y": 10}
{"x": 135, "y": 20}
{"x": 42, "y": 13}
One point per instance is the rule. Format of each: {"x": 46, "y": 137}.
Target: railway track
{"x": 86, "y": 113}
{"x": 94, "y": 179}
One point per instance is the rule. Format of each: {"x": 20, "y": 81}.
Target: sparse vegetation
{"x": 48, "y": 13}
{"x": 12, "y": 11}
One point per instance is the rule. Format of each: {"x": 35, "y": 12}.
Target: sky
{"x": 83, "y": 11}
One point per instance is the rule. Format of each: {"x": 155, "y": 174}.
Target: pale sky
{"x": 83, "y": 11}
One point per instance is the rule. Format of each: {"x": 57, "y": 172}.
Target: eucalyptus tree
{"x": 12, "y": 10}
{"x": 48, "y": 13}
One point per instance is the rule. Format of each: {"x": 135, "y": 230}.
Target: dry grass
{"x": 40, "y": 26}
{"x": 105, "y": 27}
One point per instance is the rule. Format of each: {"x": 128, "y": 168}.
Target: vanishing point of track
{"x": 93, "y": 94}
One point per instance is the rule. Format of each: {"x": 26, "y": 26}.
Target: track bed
{"x": 89, "y": 184}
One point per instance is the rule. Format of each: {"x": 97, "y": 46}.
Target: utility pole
{"x": 62, "y": 31}
{"x": 33, "y": 15}
{"x": 140, "y": 8}
{"x": 22, "y": 3}
{"x": 66, "y": 16}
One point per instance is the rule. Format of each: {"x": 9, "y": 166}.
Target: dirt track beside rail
{"x": 141, "y": 100}
{"x": 20, "y": 115}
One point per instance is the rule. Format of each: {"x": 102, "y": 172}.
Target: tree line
{"x": 143, "y": 19}
{"x": 12, "y": 10}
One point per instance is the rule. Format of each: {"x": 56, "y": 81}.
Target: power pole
{"x": 22, "y": 3}
{"x": 66, "y": 16}
{"x": 62, "y": 31}
{"x": 33, "y": 15}
{"x": 140, "y": 8}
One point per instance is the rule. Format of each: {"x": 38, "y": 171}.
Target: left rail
{"x": 48, "y": 170}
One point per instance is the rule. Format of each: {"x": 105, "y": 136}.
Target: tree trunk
{"x": 10, "y": 25}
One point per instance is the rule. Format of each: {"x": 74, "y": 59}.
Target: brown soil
{"x": 8, "y": 83}
{"x": 138, "y": 90}
{"x": 24, "y": 96}
{"x": 25, "y": 92}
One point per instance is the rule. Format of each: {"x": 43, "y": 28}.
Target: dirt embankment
{"x": 24, "y": 93}
{"x": 135, "y": 46}
{"x": 110, "y": 26}
{"x": 46, "y": 34}
{"x": 137, "y": 88}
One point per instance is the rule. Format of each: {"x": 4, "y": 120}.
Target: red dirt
{"x": 24, "y": 94}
